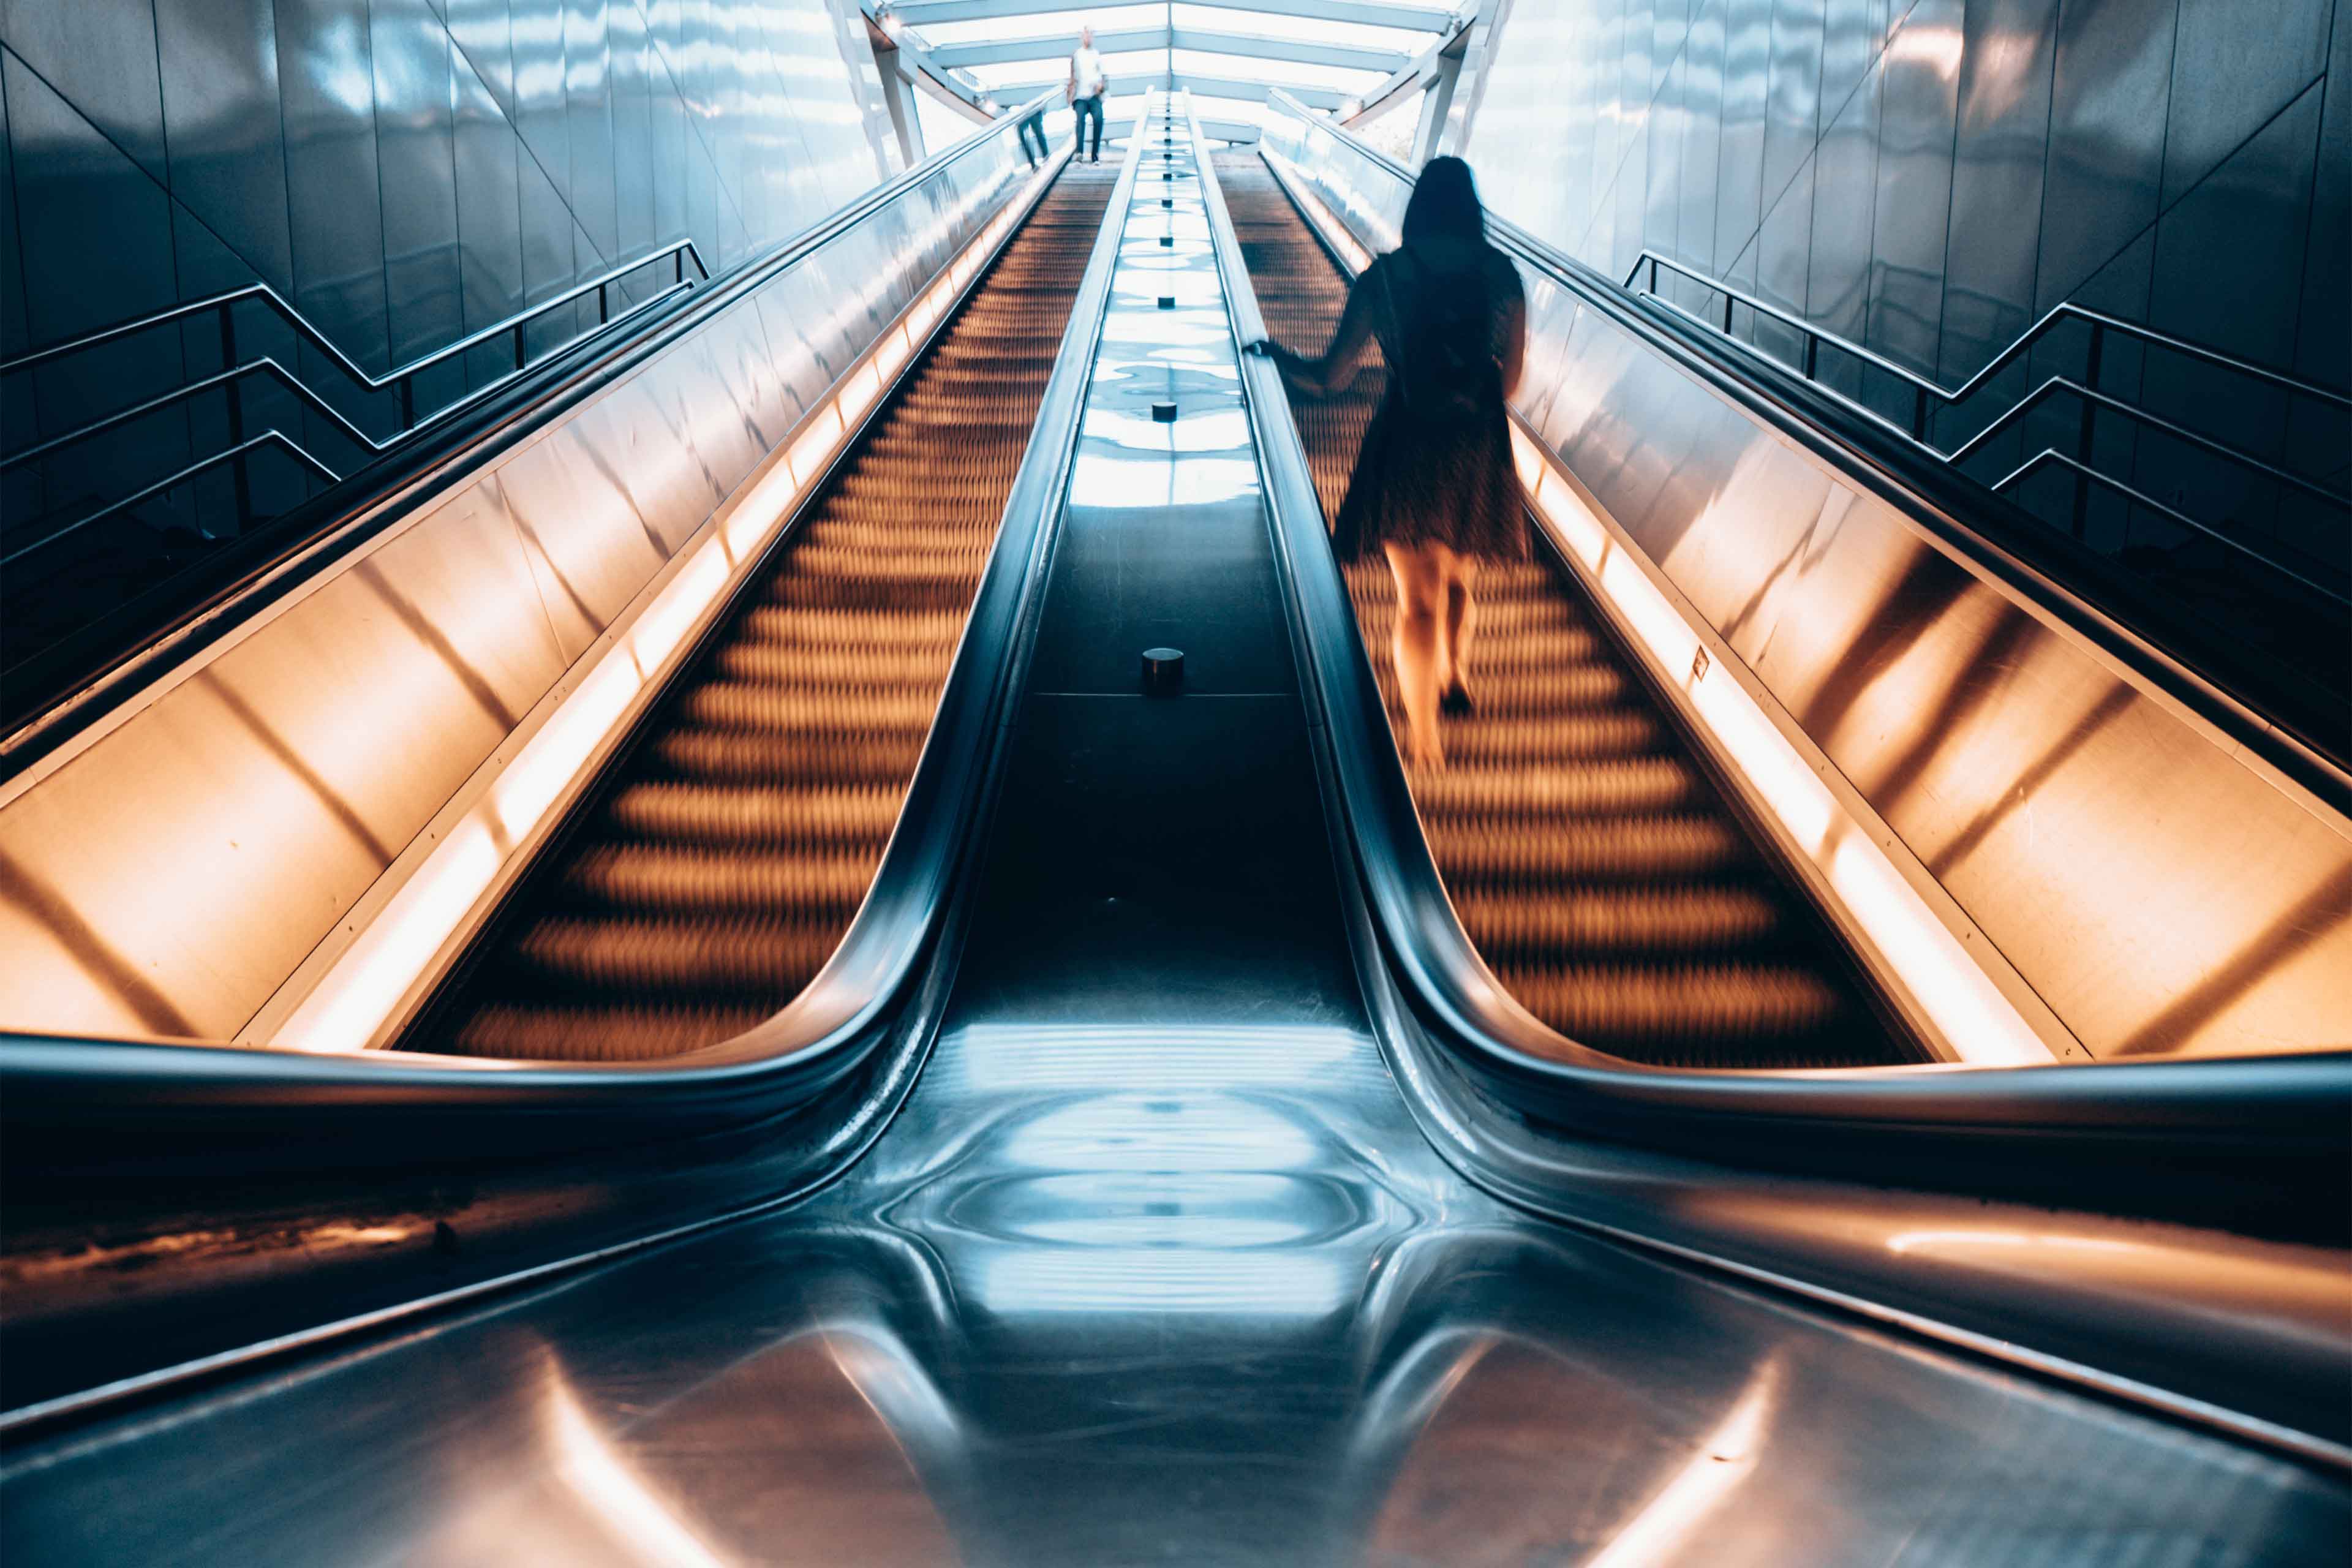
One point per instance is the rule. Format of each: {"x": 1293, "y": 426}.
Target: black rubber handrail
{"x": 52, "y": 694}
{"x": 2282, "y": 714}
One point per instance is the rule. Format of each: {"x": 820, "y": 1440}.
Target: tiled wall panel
{"x": 403, "y": 171}
{"x": 1929, "y": 176}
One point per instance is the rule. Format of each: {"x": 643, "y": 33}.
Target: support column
{"x": 898, "y": 97}
{"x": 1434, "y": 103}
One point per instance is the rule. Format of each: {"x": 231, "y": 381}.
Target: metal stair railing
{"x": 1928, "y": 397}
{"x": 230, "y": 380}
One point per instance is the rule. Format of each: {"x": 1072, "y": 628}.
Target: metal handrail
{"x": 273, "y": 436}
{"x": 2085, "y": 474}
{"x": 1923, "y": 389}
{"x": 2063, "y": 310}
{"x": 2154, "y": 421}
{"x": 402, "y": 380}
{"x": 293, "y": 383}
{"x": 2049, "y": 318}
{"x": 677, "y": 251}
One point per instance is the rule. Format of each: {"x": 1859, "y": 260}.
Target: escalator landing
{"x": 1154, "y": 1265}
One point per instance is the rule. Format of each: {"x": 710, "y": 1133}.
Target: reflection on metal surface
{"x": 646, "y": 1526}
{"x": 1726, "y": 1457}
{"x": 2127, "y": 875}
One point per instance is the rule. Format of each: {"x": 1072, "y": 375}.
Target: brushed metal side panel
{"x": 189, "y": 860}
{"x": 582, "y": 529}
{"x": 2163, "y": 897}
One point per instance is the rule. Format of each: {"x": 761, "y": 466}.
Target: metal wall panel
{"x": 417, "y": 162}
{"x": 13, "y": 331}
{"x": 101, "y": 59}
{"x": 70, "y": 181}
{"x": 1845, "y": 198}
{"x": 2160, "y": 895}
{"x": 489, "y": 213}
{"x": 1918, "y": 107}
{"x": 2231, "y": 72}
{"x": 1792, "y": 89}
{"x": 1739, "y": 157}
{"x": 2109, "y": 96}
{"x": 1916, "y": 135}
{"x": 405, "y": 170}
{"x": 228, "y": 155}
{"x": 2009, "y": 51}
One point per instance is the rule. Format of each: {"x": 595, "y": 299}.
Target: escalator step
{"x": 730, "y": 849}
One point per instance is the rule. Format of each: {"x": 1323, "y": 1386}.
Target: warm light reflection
{"x": 1726, "y": 1457}
{"x": 1937, "y": 48}
{"x": 1966, "y": 1009}
{"x": 364, "y": 990}
{"x": 641, "y": 1522}
{"x": 1965, "y": 1241}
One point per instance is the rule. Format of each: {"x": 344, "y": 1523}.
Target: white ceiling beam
{"x": 1206, "y": 85}
{"x": 1126, "y": 40}
{"x": 1365, "y": 13}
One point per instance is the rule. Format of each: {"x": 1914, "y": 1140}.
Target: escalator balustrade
{"x": 727, "y": 854}
{"x": 1590, "y": 859}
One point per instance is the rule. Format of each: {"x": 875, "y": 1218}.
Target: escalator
{"x": 1598, "y": 870}
{"x": 1152, "y": 1260}
{"x": 717, "y": 867}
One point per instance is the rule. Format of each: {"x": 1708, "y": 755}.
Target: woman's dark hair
{"x": 1444, "y": 205}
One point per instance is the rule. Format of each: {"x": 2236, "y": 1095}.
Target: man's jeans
{"x": 1090, "y": 108}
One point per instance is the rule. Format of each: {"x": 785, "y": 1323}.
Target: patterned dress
{"x": 1435, "y": 463}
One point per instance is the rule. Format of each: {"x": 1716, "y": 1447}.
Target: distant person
{"x": 1034, "y": 124}
{"x": 1434, "y": 489}
{"x": 1086, "y": 86}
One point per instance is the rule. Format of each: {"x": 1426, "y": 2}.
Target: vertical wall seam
{"x": 375, "y": 135}
{"x": 2318, "y": 161}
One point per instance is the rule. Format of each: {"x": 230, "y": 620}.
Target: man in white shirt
{"x": 1086, "y": 90}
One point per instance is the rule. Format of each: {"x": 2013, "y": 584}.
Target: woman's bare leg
{"x": 1420, "y": 581}
{"x": 1460, "y": 620}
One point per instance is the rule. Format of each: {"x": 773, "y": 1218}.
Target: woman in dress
{"x": 1432, "y": 489}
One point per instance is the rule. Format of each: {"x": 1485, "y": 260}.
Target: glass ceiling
{"x": 1324, "y": 52}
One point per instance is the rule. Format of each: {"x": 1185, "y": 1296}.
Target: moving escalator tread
{"x": 727, "y": 852}
{"x": 1588, "y": 855}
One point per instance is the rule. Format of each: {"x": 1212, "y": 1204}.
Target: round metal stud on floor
{"x": 1163, "y": 671}
{"x": 1163, "y": 413}
{"x": 1168, "y": 301}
